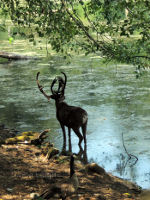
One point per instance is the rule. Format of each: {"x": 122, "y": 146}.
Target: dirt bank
{"x": 24, "y": 171}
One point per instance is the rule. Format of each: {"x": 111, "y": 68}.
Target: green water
{"x": 115, "y": 100}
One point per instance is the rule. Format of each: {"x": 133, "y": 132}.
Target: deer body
{"x": 70, "y": 116}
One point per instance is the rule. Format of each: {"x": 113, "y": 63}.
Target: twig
{"x": 129, "y": 155}
{"x": 146, "y": 57}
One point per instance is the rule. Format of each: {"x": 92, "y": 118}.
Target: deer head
{"x": 56, "y": 94}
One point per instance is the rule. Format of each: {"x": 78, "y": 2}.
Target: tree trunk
{"x": 12, "y": 56}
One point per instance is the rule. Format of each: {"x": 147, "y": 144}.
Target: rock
{"x": 93, "y": 167}
{"x": 46, "y": 148}
{"x": 34, "y": 196}
{"x": 40, "y": 140}
{"x": 52, "y": 152}
{"x": 6, "y": 133}
{"x": 18, "y": 139}
{"x": 9, "y": 190}
{"x": 2, "y": 141}
{"x": 27, "y": 133}
{"x": 2, "y": 126}
{"x": 66, "y": 153}
{"x": 145, "y": 195}
{"x": 28, "y": 137}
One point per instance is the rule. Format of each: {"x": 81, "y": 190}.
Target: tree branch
{"x": 81, "y": 25}
{"x": 146, "y": 57}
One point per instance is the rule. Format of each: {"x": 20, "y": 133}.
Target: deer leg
{"x": 64, "y": 137}
{"x": 85, "y": 159}
{"x": 77, "y": 132}
{"x": 69, "y": 141}
{"x": 84, "y": 132}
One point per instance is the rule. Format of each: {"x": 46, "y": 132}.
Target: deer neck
{"x": 59, "y": 103}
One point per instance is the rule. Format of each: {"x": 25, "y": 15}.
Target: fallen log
{"x": 13, "y": 56}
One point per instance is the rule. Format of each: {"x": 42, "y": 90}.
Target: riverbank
{"x": 24, "y": 171}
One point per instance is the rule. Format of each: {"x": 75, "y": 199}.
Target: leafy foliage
{"x": 115, "y": 29}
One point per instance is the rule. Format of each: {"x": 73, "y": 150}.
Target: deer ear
{"x": 62, "y": 96}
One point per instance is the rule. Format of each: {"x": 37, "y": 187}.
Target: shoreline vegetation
{"x": 29, "y": 166}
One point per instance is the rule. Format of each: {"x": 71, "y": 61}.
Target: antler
{"x": 52, "y": 91}
{"x": 65, "y": 79}
{"x": 41, "y": 87}
{"x": 63, "y": 82}
{"x": 61, "y": 86}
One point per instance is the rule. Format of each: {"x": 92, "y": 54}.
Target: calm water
{"x": 115, "y": 100}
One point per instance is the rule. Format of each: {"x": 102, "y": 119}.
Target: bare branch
{"x": 129, "y": 155}
{"x": 146, "y": 57}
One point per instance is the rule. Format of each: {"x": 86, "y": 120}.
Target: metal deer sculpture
{"x": 70, "y": 116}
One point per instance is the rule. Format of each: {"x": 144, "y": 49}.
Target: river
{"x": 116, "y": 101}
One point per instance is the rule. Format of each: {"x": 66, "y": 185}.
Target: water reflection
{"x": 115, "y": 100}
{"x": 81, "y": 153}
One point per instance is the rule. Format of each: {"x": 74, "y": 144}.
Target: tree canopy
{"x": 115, "y": 29}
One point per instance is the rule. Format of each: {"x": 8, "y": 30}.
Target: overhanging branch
{"x": 84, "y": 29}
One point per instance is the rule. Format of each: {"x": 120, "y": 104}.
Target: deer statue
{"x": 68, "y": 116}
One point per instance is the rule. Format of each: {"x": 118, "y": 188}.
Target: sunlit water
{"x": 117, "y": 103}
